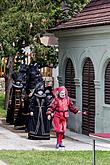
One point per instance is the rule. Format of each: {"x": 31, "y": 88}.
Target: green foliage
{"x": 18, "y": 59}
{"x": 2, "y": 110}
{"x": 22, "y": 20}
{"x": 47, "y": 56}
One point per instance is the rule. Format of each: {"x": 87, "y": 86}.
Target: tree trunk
{"x": 8, "y": 80}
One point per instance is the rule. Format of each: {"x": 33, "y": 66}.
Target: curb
{"x": 2, "y": 163}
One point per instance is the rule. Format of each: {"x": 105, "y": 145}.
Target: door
{"x": 69, "y": 79}
{"x": 88, "y": 98}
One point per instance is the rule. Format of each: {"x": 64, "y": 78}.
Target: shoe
{"x": 57, "y": 146}
{"x": 61, "y": 145}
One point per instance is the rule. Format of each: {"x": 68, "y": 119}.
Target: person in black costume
{"x": 49, "y": 94}
{"x": 21, "y": 77}
{"x": 15, "y": 106}
{"x": 12, "y": 111}
{"x": 34, "y": 78}
{"x": 38, "y": 124}
{"x": 25, "y": 111}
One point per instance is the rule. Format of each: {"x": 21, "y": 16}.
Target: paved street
{"x": 18, "y": 141}
{"x": 11, "y": 139}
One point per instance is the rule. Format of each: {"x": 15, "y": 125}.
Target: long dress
{"x": 15, "y": 103}
{"x": 38, "y": 125}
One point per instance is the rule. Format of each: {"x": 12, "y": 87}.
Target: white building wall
{"x": 77, "y": 45}
{"x": 55, "y": 75}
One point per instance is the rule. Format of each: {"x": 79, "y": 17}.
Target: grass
{"x": 2, "y": 110}
{"x": 54, "y": 157}
{"x": 50, "y": 157}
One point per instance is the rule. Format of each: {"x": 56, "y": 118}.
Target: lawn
{"x": 54, "y": 157}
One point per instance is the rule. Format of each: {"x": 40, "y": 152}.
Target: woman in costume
{"x": 50, "y": 96}
{"x": 38, "y": 124}
{"x": 58, "y": 110}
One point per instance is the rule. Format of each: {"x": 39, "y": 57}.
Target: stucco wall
{"x": 77, "y": 45}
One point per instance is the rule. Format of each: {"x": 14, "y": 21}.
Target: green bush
{"x": 2, "y": 110}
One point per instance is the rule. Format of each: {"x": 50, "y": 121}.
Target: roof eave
{"x": 79, "y": 26}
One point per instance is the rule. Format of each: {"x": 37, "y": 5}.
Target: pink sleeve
{"x": 72, "y": 107}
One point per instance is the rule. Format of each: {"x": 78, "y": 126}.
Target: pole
{"x": 94, "y": 156}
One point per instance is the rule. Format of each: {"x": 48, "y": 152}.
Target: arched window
{"x": 69, "y": 79}
{"x": 107, "y": 84}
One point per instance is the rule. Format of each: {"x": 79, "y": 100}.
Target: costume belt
{"x": 61, "y": 110}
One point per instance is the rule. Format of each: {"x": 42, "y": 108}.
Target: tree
{"x": 22, "y": 20}
{"x": 25, "y": 21}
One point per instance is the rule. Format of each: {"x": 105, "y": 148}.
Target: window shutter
{"x": 69, "y": 79}
{"x": 107, "y": 84}
{"x": 88, "y": 98}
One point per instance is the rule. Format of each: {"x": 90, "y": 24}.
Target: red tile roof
{"x": 96, "y": 13}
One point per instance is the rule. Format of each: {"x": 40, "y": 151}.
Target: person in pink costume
{"x": 58, "y": 110}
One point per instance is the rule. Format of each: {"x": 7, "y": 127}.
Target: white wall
{"x": 78, "y": 44}
{"x": 55, "y": 75}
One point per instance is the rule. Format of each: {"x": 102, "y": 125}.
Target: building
{"x": 84, "y": 65}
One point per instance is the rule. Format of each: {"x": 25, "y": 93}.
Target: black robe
{"x": 38, "y": 124}
{"x": 15, "y": 104}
